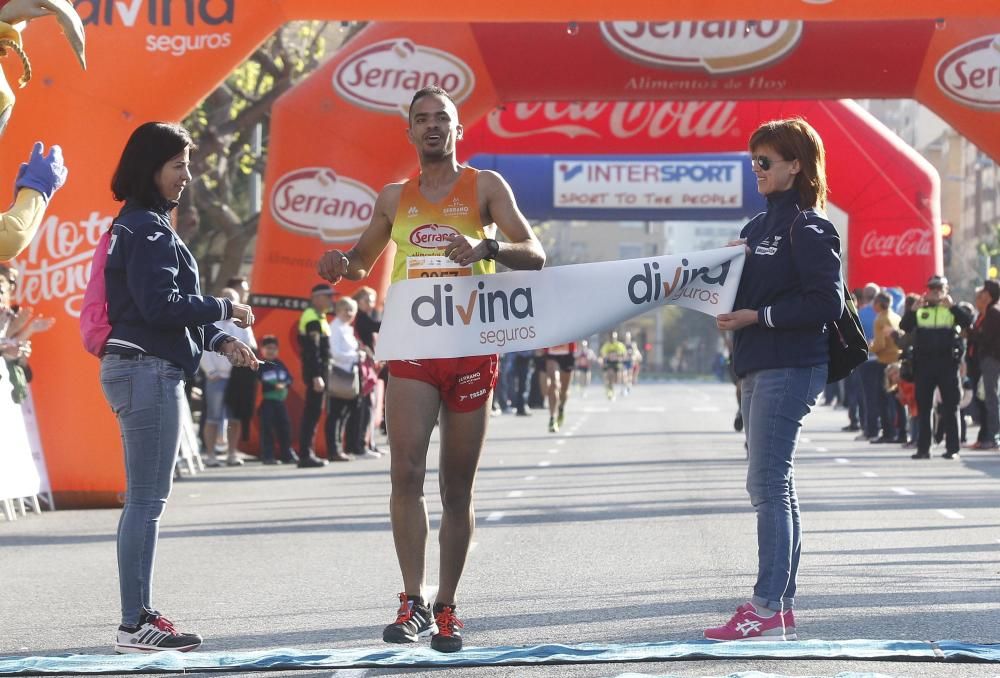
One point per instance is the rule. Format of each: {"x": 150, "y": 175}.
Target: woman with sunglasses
{"x": 160, "y": 326}
{"x": 790, "y": 290}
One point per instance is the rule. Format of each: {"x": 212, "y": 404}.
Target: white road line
{"x": 514, "y": 494}
{"x": 544, "y": 463}
{"x": 596, "y": 410}
{"x": 567, "y": 433}
{"x": 822, "y": 449}
{"x": 840, "y": 460}
{"x": 530, "y": 478}
{"x": 560, "y": 442}
{"x": 805, "y": 440}
{"x": 948, "y": 513}
{"x": 903, "y": 491}
{"x": 350, "y": 673}
{"x": 693, "y": 409}
{"x": 869, "y": 474}
{"x": 494, "y": 517}
{"x": 663, "y": 409}
{"x": 553, "y": 451}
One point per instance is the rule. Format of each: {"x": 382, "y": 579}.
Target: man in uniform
{"x": 465, "y": 207}
{"x": 314, "y": 348}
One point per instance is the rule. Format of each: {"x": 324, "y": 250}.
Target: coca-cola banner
{"x": 448, "y": 317}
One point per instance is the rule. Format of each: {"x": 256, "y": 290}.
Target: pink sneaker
{"x": 789, "y": 621}
{"x": 746, "y": 624}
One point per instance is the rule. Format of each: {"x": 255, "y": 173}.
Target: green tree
{"x": 218, "y": 215}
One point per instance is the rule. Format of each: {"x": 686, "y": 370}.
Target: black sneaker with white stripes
{"x": 413, "y": 621}
{"x": 153, "y": 634}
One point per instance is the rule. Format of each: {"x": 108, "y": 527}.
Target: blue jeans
{"x": 145, "y": 394}
{"x": 773, "y": 404}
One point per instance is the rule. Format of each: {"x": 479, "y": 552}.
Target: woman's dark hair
{"x": 151, "y": 145}
{"x": 794, "y": 138}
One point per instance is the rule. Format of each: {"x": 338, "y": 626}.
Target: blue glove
{"x": 45, "y": 174}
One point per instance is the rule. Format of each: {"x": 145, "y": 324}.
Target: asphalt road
{"x": 630, "y": 525}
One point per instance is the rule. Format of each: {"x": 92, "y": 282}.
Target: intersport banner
{"x": 449, "y": 317}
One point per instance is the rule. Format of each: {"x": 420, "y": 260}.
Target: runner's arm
{"x": 522, "y": 249}
{"x": 356, "y": 263}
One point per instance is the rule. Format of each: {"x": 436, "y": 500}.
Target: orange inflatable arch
{"x": 155, "y": 59}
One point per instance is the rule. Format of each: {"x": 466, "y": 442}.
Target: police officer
{"x": 936, "y": 322}
{"x": 314, "y": 347}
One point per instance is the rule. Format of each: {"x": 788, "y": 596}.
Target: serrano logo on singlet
{"x": 432, "y": 236}
{"x": 384, "y": 76}
{"x": 970, "y": 73}
{"x": 649, "y": 286}
{"x": 713, "y": 46}
{"x": 317, "y": 202}
{"x": 455, "y": 208}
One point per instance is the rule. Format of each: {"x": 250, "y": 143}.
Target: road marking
{"x": 544, "y": 463}
{"x": 530, "y": 478}
{"x": 352, "y": 673}
{"x": 841, "y": 460}
{"x": 514, "y": 494}
{"x": 553, "y": 451}
{"x": 903, "y": 491}
{"x": 494, "y": 517}
{"x": 693, "y": 409}
{"x": 560, "y": 442}
{"x": 567, "y": 433}
{"x": 822, "y": 449}
{"x": 805, "y": 440}
{"x": 596, "y": 410}
{"x": 656, "y": 409}
{"x": 869, "y": 474}
{"x": 948, "y": 513}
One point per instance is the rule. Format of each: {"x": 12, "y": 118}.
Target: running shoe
{"x": 413, "y": 621}
{"x": 447, "y": 638}
{"x": 746, "y": 624}
{"x": 789, "y": 622}
{"x": 560, "y": 420}
{"x": 553, "y": 426}
{"x": 153, "y": 634}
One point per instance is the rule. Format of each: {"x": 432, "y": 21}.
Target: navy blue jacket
{"x": 792, "y": 278}
{"x": 155, "y": 303}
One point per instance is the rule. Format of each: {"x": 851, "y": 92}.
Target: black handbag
{"x": 343, "y": 384}
{"x": 848, "y": 345}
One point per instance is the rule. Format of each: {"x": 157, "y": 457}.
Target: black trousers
{"x": 357, "y": 426}
{"x": 338, "y": 413}
{"x": 311, "y": 413}
{"x": 274, "y": 423}
{"x": 941, "y": 374}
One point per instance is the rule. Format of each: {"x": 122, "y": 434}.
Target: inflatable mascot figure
{"x": 42, "y": 174}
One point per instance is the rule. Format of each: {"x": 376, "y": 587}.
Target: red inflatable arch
{"x": 156, "y": 60}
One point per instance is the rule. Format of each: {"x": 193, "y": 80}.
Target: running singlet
{"x": 421, "y": 230}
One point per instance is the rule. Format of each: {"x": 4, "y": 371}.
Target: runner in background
{"x": 466, "y": 207}
{"x": 559, "y": 367}
{"x": 612, "y": 356}
{"x": 585, "y": 359}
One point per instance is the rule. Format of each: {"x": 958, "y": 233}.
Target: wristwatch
{"x": 492, "y": 249}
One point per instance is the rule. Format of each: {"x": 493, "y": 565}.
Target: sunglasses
{"x": 764, "y": 162}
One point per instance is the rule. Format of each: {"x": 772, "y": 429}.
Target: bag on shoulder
{"x": 343, "y": 384}
{"x": 95, "y": 327}
{"x": 848, "y": 346}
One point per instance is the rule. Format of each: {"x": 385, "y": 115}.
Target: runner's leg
{"x": 462, "y": 436}
{"x": 412, "y": 408}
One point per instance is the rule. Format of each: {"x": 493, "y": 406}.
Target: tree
{"x": 218, "y": 216}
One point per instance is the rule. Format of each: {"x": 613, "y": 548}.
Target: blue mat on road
{"x": 395, "y": 657}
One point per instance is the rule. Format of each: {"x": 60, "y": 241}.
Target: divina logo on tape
{"x": 649, "y": 285}
{"x": 440, "y": 308}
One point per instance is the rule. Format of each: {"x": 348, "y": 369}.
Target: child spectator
{"x": 274, "y": 421}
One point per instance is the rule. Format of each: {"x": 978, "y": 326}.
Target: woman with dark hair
{"x": 791, "y": 290}
{"x": 160, "y": 325}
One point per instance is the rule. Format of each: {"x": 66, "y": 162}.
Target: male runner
{"x": 469, "y": 205}
{"x": 559, "y": 367}
{"x": 612, "y": 355}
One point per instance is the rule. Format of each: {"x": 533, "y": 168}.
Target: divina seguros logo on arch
{"x": 383, "y": 76}
{"x": 970, "y": 73}
{"x": 172, "y": 17}
{"x": 315, "y": 201}
{"x": 712, "y": 46}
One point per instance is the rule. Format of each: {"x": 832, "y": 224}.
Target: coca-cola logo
{"x": 56, "y": 265}
{"x": 316, "y": 202}
{"x": 432, "y": 236}
{"x": 912, "y": 242}
{"x": 970, "y": 73}
{"x": 712, "y": 46}
{"x": 621, "y": 120}
{"x": 384, "y": 76}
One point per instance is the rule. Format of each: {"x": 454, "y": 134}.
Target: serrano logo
{"x": 315, "y": 201}
{"x": 455, "y": 207}
{"x": 970, "y": 73}
{"x": 649, "y": 285}
{"x": 432, "y": 236}
{"x": 384, "y": 76}
{"x": 713, "y": 46}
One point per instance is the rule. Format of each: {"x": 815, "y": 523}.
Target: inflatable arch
{"x": 154, "y": 59}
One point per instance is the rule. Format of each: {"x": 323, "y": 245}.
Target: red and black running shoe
{"x": 448, "y": 638}
{"x": 413, "y": 621}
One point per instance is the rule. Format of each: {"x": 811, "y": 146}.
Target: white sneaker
{"x": 367, "y": 454}
{"x": 154, "y": 634}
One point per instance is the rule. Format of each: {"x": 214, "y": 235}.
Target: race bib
{"x": 434, "y": 267}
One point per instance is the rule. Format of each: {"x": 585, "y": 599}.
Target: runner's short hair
{"x": 429, "y": 91}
